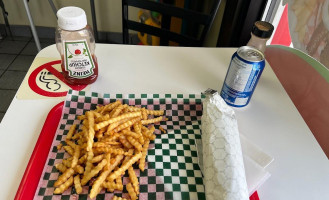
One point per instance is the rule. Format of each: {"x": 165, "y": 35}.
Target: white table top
{"x": 300, "y": 169}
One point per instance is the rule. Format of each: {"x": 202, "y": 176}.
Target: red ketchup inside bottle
{"x": 83, "y": 81}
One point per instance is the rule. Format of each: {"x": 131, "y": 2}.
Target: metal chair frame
{"x": 168, "y": 11}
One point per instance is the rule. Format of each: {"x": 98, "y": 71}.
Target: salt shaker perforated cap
{"x": 71, "y": 18}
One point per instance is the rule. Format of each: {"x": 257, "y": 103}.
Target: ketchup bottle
{"x": 76, "y": 44}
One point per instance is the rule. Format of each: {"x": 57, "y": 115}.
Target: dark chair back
{"x": 167, "y": 12}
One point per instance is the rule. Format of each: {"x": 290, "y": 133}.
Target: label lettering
{"x": 77, "y": 59}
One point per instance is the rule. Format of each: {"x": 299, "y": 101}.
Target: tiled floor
{"x": 16, "y": 57}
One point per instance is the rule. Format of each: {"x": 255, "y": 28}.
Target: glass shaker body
{"x": 76, "y": 45}
{"x": 84, "y": 35}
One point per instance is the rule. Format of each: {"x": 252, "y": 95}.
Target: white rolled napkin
{"x": 223, "y": 167}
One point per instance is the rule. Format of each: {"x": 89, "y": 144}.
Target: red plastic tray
{"x": 32, "y": 174}
{"x": 39, "y": 156}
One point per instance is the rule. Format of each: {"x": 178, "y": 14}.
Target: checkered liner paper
{"x": 171, "y": 171}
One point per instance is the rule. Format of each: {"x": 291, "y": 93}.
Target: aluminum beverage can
{"x": 246, "y": 67}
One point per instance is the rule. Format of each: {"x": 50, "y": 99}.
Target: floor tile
{"x": 11, "y": 79}
{"x": 2, "y": 114}
{"x": 6, "y": 97}
{"x": 12, "y": 47}
{"x": 22, "y": 63}
{"x": 18, "y": 38}
{"x": 5, "y": 60}
{"x": 46, "y": 40}
{"x": 31, "y": 48}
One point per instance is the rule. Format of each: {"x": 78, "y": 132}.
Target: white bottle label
{"x": 78, "y": 61}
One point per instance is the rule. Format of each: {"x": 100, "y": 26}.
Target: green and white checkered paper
{"x": 171, "y": 171}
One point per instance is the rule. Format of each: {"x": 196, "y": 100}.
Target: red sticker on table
{"x": 46, "y": 80}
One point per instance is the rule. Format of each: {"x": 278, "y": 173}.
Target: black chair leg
{"x": 5, "y": 16}
{"x": 125, "y": 34}
{"x": 93, "y": 16}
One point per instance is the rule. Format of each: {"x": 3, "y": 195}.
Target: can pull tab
{"x": 210, "y": 92}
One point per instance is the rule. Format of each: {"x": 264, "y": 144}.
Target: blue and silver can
{"x": 242, "y": 76}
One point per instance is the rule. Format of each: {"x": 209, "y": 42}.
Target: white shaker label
{"x": 77, "y": 59}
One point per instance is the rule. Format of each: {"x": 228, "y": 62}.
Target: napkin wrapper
{"x": 221, "y": 155}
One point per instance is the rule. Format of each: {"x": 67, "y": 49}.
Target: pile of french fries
{"x": 112, "y": 138}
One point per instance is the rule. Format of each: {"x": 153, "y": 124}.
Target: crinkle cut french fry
{"x": 108, "y": 158}
{"x": 133, "y": 179}
{"x": 82, "y": 159}
{"x": 77, "y": 135}
{"x": 100, "y": 133}
{"x": 110, "y": 138}
{"x": 116, "y": 119}
{"x": 111, "y": 185}
{"x": 130, "y": 133}
{"x": 125, "y": 142}
{"x": 138, "y": 130}
{"x": 71, "y": 144}
{"x": 77, "y": 184}
{"x": 135, "y": 143}
{"x": 91, "y": 131}
{"x": 128, "y": 157}
{"x": 59, "y": 146}
{"x": 84, "y": 129}
{"x": 71, "y": 132}
{"x": 105, "y": 144}
{"x": 96, "y": 114}
{"x": 152, "y": 129}
{"x": 125, "y": 166}
{"x": 110, "y": 106}
{"x": 162, "y": 129}
{"x": 118, "y": 198}
{"x": 116, "y": 162}
{"x": 144, "y": 114}
{"x": 155, "y": 112}
{"x": 76, "y": 156}
{"x": 117, "y": 110}
{"x": 61, "y": 167}
{"x": 97, "y": 159}
{"x": 69, "y": 150}
{"x": 127, "y": 124}
{"x": 144, "y": 153}
{"x": 93, "y": 172}
{"x": 64, "y": 186}
{"x": 99, "y": 189}
{"x": 89, "y": 165}
{"x": 131, "y": 191}
{"x": 110, "y": 150}
{"x": 119, "y": 183}
{"x": 81, "y": 117}
{"x": 67, "y": 162}
{"x": 98, "y": 183}
{"x": 147, "y": 133}
{"x": 62, "y": 178}
{"x": 79, "y": 169}
{"x": 102, "y": 118}
{"x": 151, "y": 121}
{"x": 99, "y": 108}
{"x": 112, "y": 126}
